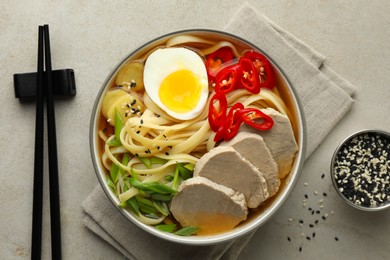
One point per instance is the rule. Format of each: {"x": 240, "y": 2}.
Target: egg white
{"x": 164, "y": 62}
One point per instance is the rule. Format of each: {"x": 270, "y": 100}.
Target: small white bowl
{"x": 356, "y": 173}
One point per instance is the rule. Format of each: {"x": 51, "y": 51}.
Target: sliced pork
{"x": 227, "y": 167}
{"x": 253, "y": 148}
{"x": 208, "y": 205}
{"x": 280, "y": 140}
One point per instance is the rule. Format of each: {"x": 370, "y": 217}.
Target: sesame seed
{"x": 166, "y": 153}
{"x": 323, "y": 175}
{"x": 336, "y": 238}
{"x": 308, "y": 238}
{"x": 141, "y": 121}
{"x": 290, "y": 219}
{"x": 311, "y": 225}
{"x": 306, "y": 184}
{"x": 314, "y": 234}
{"x": 289, "y": 239}
{"x": 324, "y": 194}
{"x": 306, "y": 196}
{"x": 361, "y": 169}
{"x": 300, "y": 249}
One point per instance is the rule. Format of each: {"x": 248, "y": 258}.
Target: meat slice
{"x": 253, "y": 148}
{"x": 210, "y": 206}
{"x": 226, "y": 166}
{"x": 280, "y": 140}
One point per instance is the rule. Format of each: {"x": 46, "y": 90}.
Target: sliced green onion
{"x": 161, "y": 197}
{"x": 157, "y": 160}
{"x": 133, "y": 205}
{"x": 161, "y": 207}
{"x": 151, "y": 186}
{"x": 125, "y": 159}
{"x": 146, "y": 161}
{"x": 146, "y": 205}
{"x": 118, "y": 127}
{"x": 184, "y": 172}
{"x": 114, "y": 172}
{"x": 176, "y": 177}
{"x": 110, "y": 184}
{"x": 147, "y": 210}
{"x": 144, "y": 201}
{"x": 134, "y": 174}
{"x": 190, "y": 166}
{"x": 166, "y": 227}
{"x": 187, "y": 231}
{"x": 151, "y": 215}
{"x": 168, "y": 178}
{"x": 123, "y": 204}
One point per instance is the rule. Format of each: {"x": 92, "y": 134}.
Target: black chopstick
{"x": 36, "y": 241}
{"x": 53, "y": 160}
{"x": 45, "y": 85}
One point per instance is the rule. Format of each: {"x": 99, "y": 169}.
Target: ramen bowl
{"x": 101, "y": 128}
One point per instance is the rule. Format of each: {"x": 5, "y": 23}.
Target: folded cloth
{"x": 322, "y": 93}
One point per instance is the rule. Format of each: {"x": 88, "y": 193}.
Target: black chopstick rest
{"x": 25, "y": 84}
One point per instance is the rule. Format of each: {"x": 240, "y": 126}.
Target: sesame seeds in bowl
{"x": 360, "y": 170}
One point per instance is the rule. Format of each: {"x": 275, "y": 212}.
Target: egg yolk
{"x": 180, "y": 91}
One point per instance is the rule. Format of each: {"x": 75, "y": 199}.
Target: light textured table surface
{"x": 92, "y": 37}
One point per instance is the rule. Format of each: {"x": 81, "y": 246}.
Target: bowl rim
{"x": 380, "y": 132}
{"x": 238, "y": 231}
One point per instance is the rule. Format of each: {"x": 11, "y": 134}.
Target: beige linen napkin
{"x": 322, "y": 93}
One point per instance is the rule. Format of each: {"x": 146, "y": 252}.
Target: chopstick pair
{"x": 45, "y": 88}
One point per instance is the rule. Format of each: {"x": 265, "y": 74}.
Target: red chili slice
{"x": 216, "y": 59}
{"x": 226, "y": 79}
{"x": 217, "y": 111}
{"x": 249, "y": 76}
{"x": 264, "y": 68}
{"x": 256, "y": 119}
{"x": 233, "y": 121}
{"x": 219, "y": 134}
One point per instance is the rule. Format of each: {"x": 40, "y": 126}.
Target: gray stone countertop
{"x": 92, "y": 36}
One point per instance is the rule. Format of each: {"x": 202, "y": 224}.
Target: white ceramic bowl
{"x": 289, "y": 96}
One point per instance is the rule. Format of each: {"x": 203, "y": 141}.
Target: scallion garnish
{"x": 187, "y": 231}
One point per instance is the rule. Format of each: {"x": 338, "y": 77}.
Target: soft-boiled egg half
{"x": 176, "y": 80}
